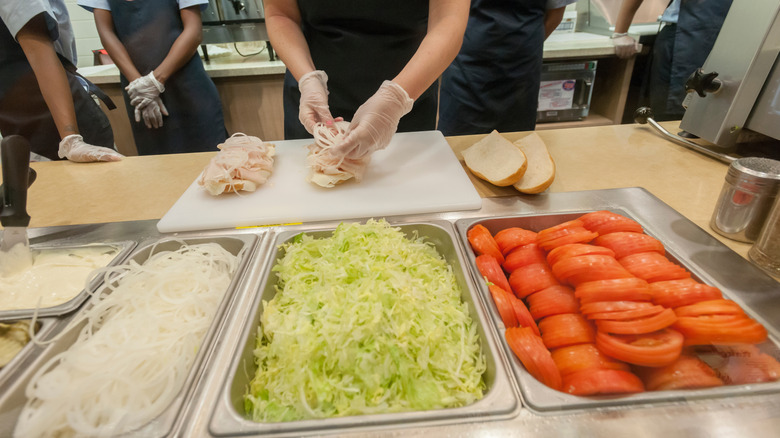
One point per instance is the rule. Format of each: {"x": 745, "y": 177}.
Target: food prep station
{"x": 514, "y": 403}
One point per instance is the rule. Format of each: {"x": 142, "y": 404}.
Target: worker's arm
{"x": 283, "y": 20}
{"x": 184, "y": 47}
{"x": 552, "y": 18}
{"x": 116, "y": 50}
{"x": 626, "y": 15}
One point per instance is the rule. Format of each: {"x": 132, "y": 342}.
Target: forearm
{"x": 185, "y": 45}
{"x": 282, "y": 18}
{"x": 116, "y": 50}
{"x": 626, "y": 15}
{"x": 552, "y": 18}
{"x": 447, "y": 24}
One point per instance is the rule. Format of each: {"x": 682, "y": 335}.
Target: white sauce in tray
{"x": 55, "y": 277}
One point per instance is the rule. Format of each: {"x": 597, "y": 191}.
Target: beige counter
{"x": 588, "y": 158}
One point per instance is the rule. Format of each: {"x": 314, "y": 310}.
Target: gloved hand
{"x": 375, "y": 122}
{"x": 74, "y": 148}
{"x": 625, "y": 46}
{"x": 143, "y": 90}
{"x": 152, "y": 113}
{"x": 314, "y": 100}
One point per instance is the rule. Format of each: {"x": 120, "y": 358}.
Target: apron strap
{"x": 91, "y": 88}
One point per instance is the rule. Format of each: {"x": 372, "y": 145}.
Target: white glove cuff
{"x": 317, "y": 75}
{"x": 400, "y": 94}
{"x": 65, "y": 145}
{"x": 158, "y": 84}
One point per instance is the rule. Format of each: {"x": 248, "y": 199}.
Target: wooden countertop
{"x": 590, "y": 158}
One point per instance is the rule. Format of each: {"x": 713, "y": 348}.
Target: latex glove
{"x": 152, "y": 113}
{"x": 625, "y": 46}
{"x": 74, "y": 148}
{"x": 314, "y": 100}
{"x": 375, "y": 122}
{"x": 143, "y": 90}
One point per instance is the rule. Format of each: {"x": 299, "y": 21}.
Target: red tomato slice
{"x": 488, "y": 266}
{"x": 523, "y": 256}
{"x": 676, "y": 293}
{"x": 564, "y": 234}
{"x": 511, "y": 238}
{"x": 503, "y": 305}
{"x": 613, "y": 306}
{"x": 524, "y": 317}
{"x": 566, "y": 329}
{"x": 652, "y": 267}
{"x": 535, "y": 357}
{"x": 687, "y": 372}
{"x": 638, "y": 326}
{"x": 627, "y": 314}
{"x": 605, "y": 222}
{"x": 584, "y": 357}
{"x": 531, "y": 278}
{"x": 581, "y": 269}
{"x": 602, "y": 381}
{"x": 720, "y": 330}
{"x": 710, "y": 307}
{"x": 576, "y": 249}
{"x": 626, "y": 243}
{"x": 552, "y": 300}
{"x": 482, "y": 242}
{"x": 650, "y": 349}
{"x": 619, "y": 289}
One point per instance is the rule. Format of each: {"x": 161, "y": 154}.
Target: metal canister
{"x": 766, "y": 251}
{"x": 750, "y": 189}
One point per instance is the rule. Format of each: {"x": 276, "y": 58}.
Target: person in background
{"x": 371, "y": 62}
{"x": 41, "y": 97}
{"x": 688, "y": 32}
{"x": 154, "y": 44}
{"x": 494, "y": 81}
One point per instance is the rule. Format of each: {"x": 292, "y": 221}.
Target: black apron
{"x": 360, "y": 44}
{"x": 23, "y": 111}
{"x": 147, "y": 29}
{"x": 681, "y": 49}
{"x": 493, "y": 83}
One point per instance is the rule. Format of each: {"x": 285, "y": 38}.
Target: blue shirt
{"x": 17, "y": 13}
{"x": 103, "y": 4}
{"x": 671, "y": 13}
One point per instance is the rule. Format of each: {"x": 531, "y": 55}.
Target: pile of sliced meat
{"x": 243, "y": 163}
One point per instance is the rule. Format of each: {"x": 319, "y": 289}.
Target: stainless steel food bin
{"x": 223, "y": 399}
{"x": 544, "y": 399}
{"x": 12, "y": 398}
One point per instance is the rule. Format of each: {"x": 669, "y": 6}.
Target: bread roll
{"x": 540, "y": 172}
{"x": 496, "y": 160}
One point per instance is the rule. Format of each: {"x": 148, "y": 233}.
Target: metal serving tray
{"x": 45, "y": 329}
{"x": 122, "y": 248}
{"x": 541, "y": 398}
{"x": 12, "y": 398}
{"x": 228, "y": 417}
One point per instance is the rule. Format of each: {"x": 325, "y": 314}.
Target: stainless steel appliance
{"x": 227, "y": 21}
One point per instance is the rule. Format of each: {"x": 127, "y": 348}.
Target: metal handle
{"x": 645, "y": 115}
{"x": 15, "y": 153}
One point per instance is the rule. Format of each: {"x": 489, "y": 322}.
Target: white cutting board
{"x": 417, "y": 173}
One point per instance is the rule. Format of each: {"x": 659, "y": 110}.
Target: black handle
{"x": 15, "y": 155}
{"x": 702, "y": 83}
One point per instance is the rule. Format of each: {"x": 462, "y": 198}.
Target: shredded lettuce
{"x": 365, "y": 321}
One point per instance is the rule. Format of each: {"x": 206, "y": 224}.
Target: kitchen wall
{"x": 86, "y": 34}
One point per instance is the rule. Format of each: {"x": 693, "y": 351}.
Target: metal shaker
{"x": 750, "y": 189}
{"x": 766, "y": 251}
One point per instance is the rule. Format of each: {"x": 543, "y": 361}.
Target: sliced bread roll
{"x": 496, "y": 160}
{"x": 541, "y": 167}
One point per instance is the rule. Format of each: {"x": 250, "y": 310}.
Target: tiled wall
{"x": 86, "y": 34}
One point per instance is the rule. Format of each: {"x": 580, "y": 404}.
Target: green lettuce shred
{"x": 365, "y": 321}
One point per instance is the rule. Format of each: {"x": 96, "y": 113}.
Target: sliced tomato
{"x": 574, "y": 250}
{"x": 488, "y": 266}
{"x": 613, "y": 306}
{"x": 523, "y": 256}
{"x": 676, "y": 293}
{"x": 513, "y": 237}
{"x": 720, "y": 330}
{"x": 638, "y": 326}
{"x": 504, "y": 306}
{"x": 566, "y": 329}
{"x": 652, "y": 267}
{"x": 617, "y": 289}
{"x": 650, "y": 349}
{"x": 605, "y": 222}
{"x": 584, "y": 357}
{"x": 564, "y": 234}
{"x": 552, "y": 300}
{"x": 687, "y": 372}
{"x": 625, "y": 243}
{"x": 535, "y": 357}
{"x": 602, "y": 381}
{"x": 627, "y": 314}
{"x": 524, "y": 317}
{"x": 531, "y": 278}
{"x": 581, "y": 269}
{"x": 710, "y": 307}
{"x": 482, "y": 242}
